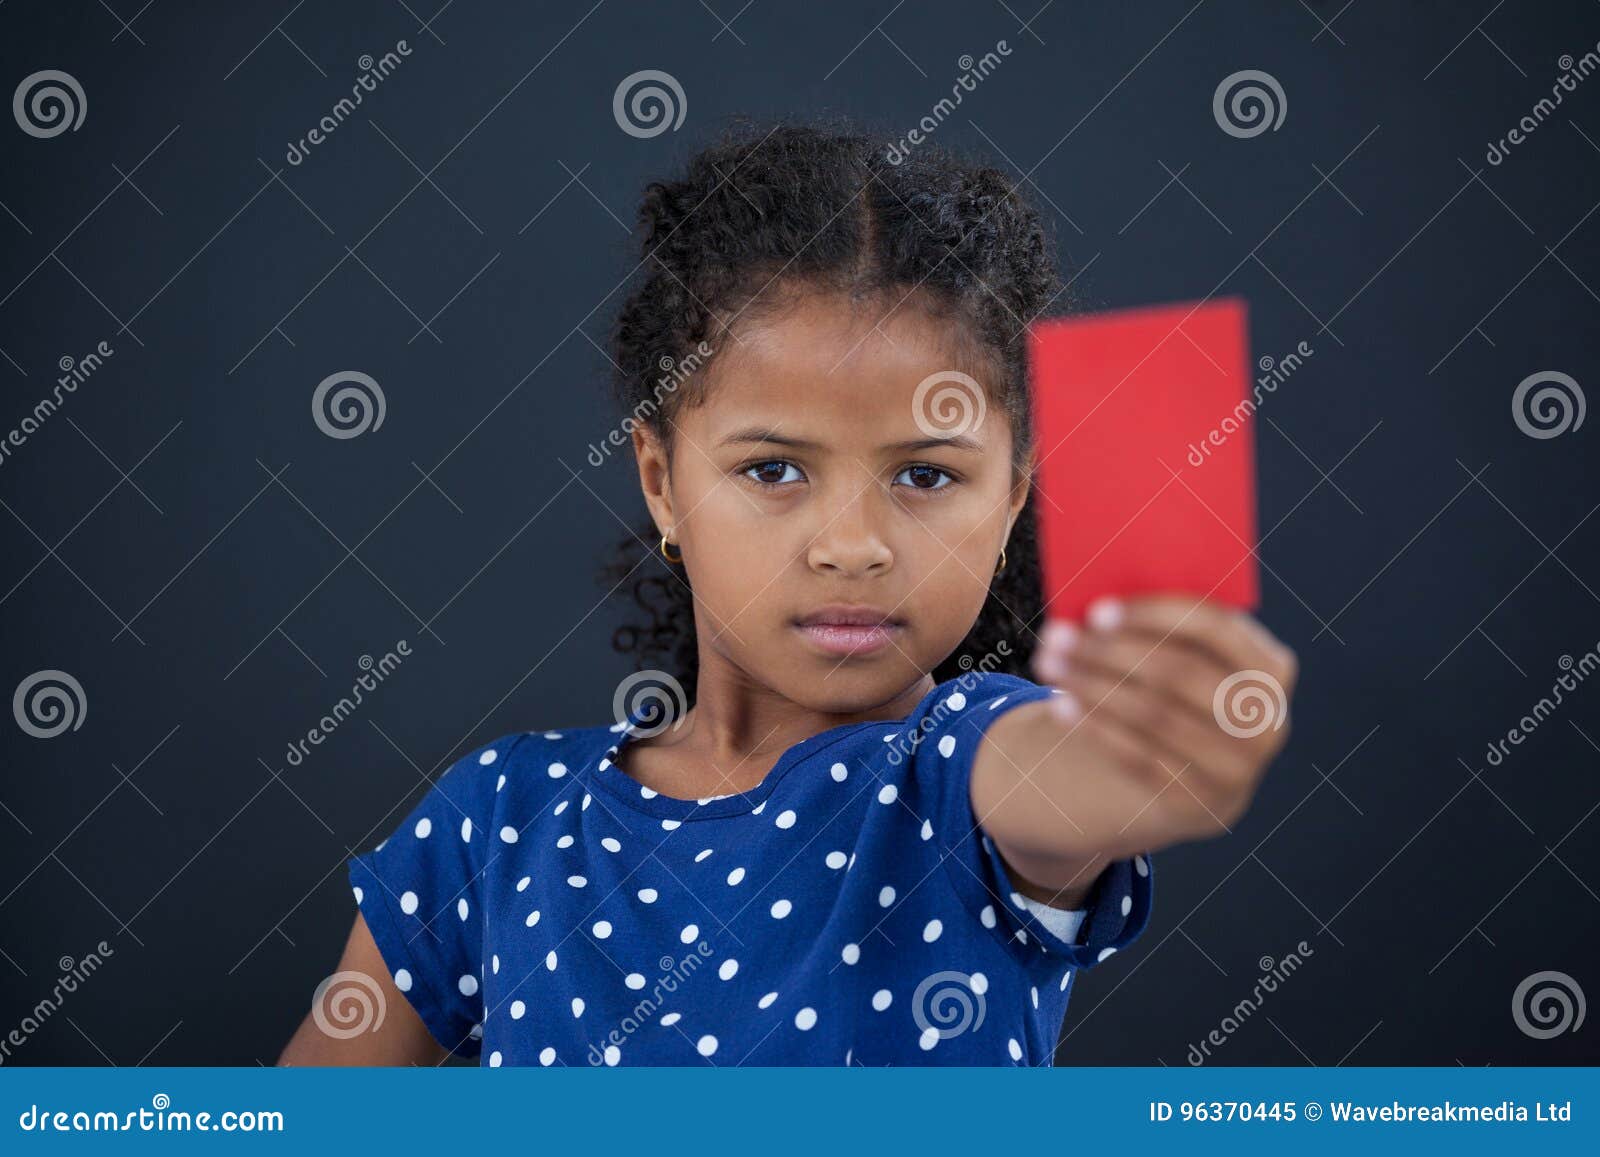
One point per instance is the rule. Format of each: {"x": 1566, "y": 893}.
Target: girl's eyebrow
{"x": 768, "y": 434}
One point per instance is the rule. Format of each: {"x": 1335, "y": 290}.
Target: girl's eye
{"x": 925, "y": 477}
{"x": 776, "y": 472}
{"x": 773, "y": 473}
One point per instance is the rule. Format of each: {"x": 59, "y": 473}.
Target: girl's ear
{"x": 1019, "y": 492}
{"x": 655, "y": 480}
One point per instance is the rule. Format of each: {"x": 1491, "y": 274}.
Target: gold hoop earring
{"x": 1002, "y": 565}
{"x": 667, "y": 556}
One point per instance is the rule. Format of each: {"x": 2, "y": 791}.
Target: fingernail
{"x": 1059, "y": 635}
{"x": 1066, "y": 707}
{"x": 1047, "y": 665}
{"x": 1105, "y": 614}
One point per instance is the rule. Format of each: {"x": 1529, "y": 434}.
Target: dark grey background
{"x": 183, "y": 540}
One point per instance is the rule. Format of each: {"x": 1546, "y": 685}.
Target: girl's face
{"x": 815, "y": 475}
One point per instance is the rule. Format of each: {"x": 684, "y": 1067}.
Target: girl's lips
{"x": 849, "y": 639}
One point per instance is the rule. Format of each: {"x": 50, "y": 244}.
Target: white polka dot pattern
{"x": 866, "y": 890}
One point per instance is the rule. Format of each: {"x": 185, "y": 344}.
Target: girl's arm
{"x": 1173, "y": 709}
{"x": 401, "y": 1038}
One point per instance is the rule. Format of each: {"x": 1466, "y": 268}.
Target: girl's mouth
{"x": 849, "y": 628}
{"x": 849, "y": 638}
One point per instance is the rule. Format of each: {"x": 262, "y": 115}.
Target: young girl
{"x": 841, "y": 827}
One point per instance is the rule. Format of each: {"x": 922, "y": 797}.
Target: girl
{"x": 842, "y": 826}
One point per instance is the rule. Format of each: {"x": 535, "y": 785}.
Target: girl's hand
{"x": 1172, "y": 709}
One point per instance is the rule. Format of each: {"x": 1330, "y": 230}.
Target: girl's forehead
{"x": 830, "y": 366}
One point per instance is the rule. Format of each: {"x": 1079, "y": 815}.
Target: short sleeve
{"x": 419, "y": 892}
{"x": 951, "y": 725}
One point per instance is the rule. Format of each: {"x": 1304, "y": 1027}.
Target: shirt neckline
{"x": 629, "y": 791}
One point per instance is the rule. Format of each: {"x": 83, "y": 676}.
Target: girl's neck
{"x": 738, "y": 729}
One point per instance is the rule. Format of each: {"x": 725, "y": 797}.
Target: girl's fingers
{"x": 1152, "y": 785}
{"x": 1055, "y": 638}
{"x": 1131, "y": 753}
{"x": 1187, "y": 674}
{"x": 1236, "y": 639}
{"x": 1223, "y": 765}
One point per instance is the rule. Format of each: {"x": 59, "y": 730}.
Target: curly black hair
{"x": 770, "y": 211}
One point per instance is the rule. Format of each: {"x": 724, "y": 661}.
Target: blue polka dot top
{"x": 541, "y": 907}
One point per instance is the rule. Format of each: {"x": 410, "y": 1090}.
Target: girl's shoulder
{"x": 551, "y": 753}
{"x": 523, "y": 760}
{"x": 551, "y": 757}
{"x": 942, "y": 733}
{"x": 990, "y": 689}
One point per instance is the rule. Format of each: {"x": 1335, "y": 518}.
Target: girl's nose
{"x": 851, "y": 542}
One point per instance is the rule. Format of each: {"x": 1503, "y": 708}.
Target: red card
{"x": 1145, "y": 455}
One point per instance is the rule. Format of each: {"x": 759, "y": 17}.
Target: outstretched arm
{"x": 1146, "y": 748}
